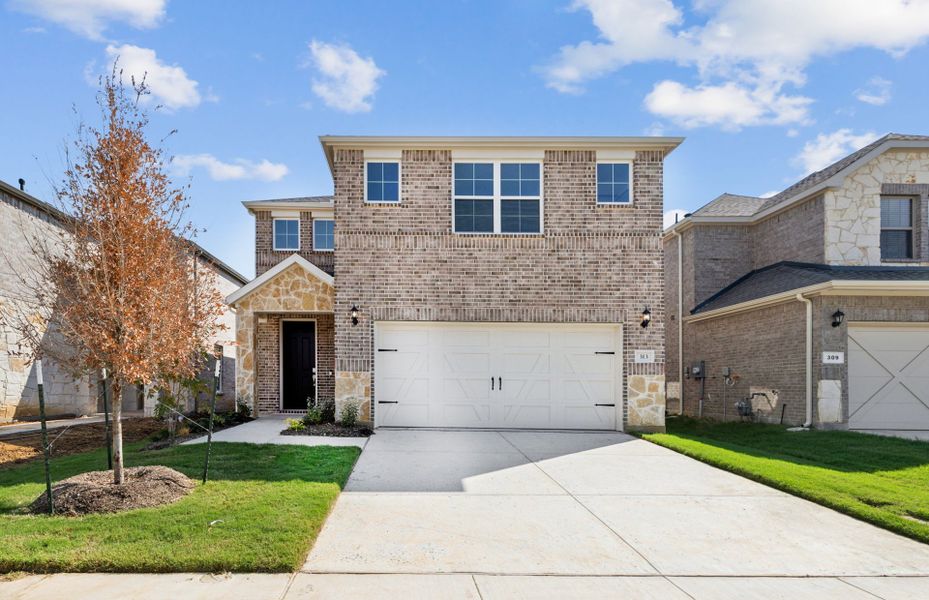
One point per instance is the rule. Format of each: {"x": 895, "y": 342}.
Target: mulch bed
{"x": 95, "y": 492}
{"x": 332, "y": 430}
{"x": 20, "y": 448}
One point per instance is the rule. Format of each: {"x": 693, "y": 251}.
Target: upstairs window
{"x": 324, "y": 235}
{"x": 896, "y": 228}
{"x": 614, "y": 183}
{"x": 287, "y": 234}
{"x": 474, "y": 197}
{"x": 494, "y": 197}
{"x": 520, "y": 195}
{"x": 382, "y": 182}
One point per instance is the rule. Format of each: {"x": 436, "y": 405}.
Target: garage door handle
{"x": 387, "y": 402}
{"x": 610, "y": 352}
{"x": 604, "y": 405}
{"x": 499, "y": 383}
{"x": 491, "y": 383}
{"x": 386, "y": 349}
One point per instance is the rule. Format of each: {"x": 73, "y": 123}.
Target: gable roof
{"x": 735, "y": 208}
{"x": 786, "y": 276}
{"x": 294, "y": 259}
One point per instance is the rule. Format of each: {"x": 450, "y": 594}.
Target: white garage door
{"x": 888, "y": 377}
{"x": 543, "y": 376}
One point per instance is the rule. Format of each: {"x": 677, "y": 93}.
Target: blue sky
{"x": 764, "y": 91}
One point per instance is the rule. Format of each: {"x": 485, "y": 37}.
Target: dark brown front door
{"x": 298, "y": 360}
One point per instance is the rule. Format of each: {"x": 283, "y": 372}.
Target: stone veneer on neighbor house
{"x": 592, "y": 264}
{"x": 853, "y": 212}
{"x": 292, "y": 293}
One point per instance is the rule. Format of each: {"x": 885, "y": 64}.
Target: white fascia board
{"x": 836, "y": 287}
{"x": 258, "y": 282}
{"x": 252, "y": 206}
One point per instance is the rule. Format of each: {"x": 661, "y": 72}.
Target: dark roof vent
{"x": 22, "y": 184}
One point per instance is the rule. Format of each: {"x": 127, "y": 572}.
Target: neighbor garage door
{"x": 888, "y": 377}
{"x": 546, "y": 376}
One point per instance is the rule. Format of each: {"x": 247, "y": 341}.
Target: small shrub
{"x": 349, "y": 415}
{"x": 244, "y": 411}
{"x": 182, "y": 430}
{"x": 327, "y": 410}
{"x": 295, "y": 424}
{"x": 314, "y": 416}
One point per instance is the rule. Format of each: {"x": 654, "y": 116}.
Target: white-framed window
{"x": 382, "y": 181}
{"x": 324, "y": 235}
{"x": 614, "y": 183}
{"x": 497, "y": 197}
{"x": 286, "y": 234}
{"x": 896, "y": 228}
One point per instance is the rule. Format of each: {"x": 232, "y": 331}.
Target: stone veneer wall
{"x": 592, "y": 264}
{"x": 292, "y": 291}
{"x": 853, "y": 212}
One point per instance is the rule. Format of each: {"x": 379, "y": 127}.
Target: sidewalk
{"x": 303, "y": 586}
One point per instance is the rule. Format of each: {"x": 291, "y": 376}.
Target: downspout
{"x": 680, "y": 321}
{"x": 809, "y": 359}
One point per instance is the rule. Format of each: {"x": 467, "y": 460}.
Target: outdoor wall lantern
{"x": 646, "y": 317}
{"x": 354, "y": 315}
{"x": 837, "y": 318}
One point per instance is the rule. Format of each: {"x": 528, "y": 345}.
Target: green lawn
{"x": 267, "y": 504}
{"x": 881, "y": 480}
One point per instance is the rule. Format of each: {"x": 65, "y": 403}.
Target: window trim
{"x": 274, "y": 234}
{"x": 498, "y": 197}
{"x": 399, "y": 164}
{"x": 317, "y": 249}
{"x": 616, "y": 161}
{"x": 911, "y": 229}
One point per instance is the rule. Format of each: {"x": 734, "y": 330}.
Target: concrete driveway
{"x": 457, "y": 514}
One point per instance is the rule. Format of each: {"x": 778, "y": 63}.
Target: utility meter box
{"x": 698, "y": 370}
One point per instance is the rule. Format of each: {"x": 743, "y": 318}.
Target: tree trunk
{"x": 117, "y": 390}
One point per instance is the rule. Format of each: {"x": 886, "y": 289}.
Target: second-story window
{"x": 497, "y": 197}
{"x": 382, "y": 182}
{"x": 286, "y": 234}
{"x": 324, "y": 235}
{"x": 614, "y": 183}
{"x": 896, "y": 228}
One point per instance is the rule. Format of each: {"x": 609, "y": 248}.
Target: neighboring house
{"x": 464, "y": 282}
{"x": 816, "y": 299}
{"x": 24, "y": 219}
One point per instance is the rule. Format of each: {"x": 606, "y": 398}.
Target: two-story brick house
{"x": 815, "y": 299}
{"x": 465, "y": 282}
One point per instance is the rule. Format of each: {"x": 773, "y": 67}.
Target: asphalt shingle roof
{"x": 731, "y": 205}
{"x": 786, "y": 276}
{"x": 297, "y": 199}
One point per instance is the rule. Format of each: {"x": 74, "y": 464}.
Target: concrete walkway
{"x": 267, "y": 430}
{"x": 302, "y": 586}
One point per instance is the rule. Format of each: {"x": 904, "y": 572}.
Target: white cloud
{"x": 346, "y": 81}
{"x": 218, "y": 170}
{"x": 876, "y": 92}
{"x": 671, "y": 216}
{"x": 169, "y": 84}
{"x": 730, "y": 105}
{"x": 830, "y": 147}
{"x": 90, "y": 18}
{"x": 745, "y": 52}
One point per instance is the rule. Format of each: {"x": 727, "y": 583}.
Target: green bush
{"x": 295, "y": 425}
{"x": 314, "y": 416}
{"x": 349, "y": 415}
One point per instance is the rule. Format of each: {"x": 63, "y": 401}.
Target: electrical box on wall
{"x": 698, "y": 370}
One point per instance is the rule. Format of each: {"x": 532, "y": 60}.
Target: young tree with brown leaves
{"x": 123, "y": 289}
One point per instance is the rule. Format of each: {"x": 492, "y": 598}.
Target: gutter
{"x": 680, "y": 320}
{"x": 809, "y": 359}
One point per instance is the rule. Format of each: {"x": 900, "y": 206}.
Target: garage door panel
{"x": 888, "y": 374}
{"x": 551, "y": 375}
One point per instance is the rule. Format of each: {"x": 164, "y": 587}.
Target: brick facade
{"x": 592, "y": 264}
{"x": 268, "y": 344}
{"x": 267, "y": 257}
